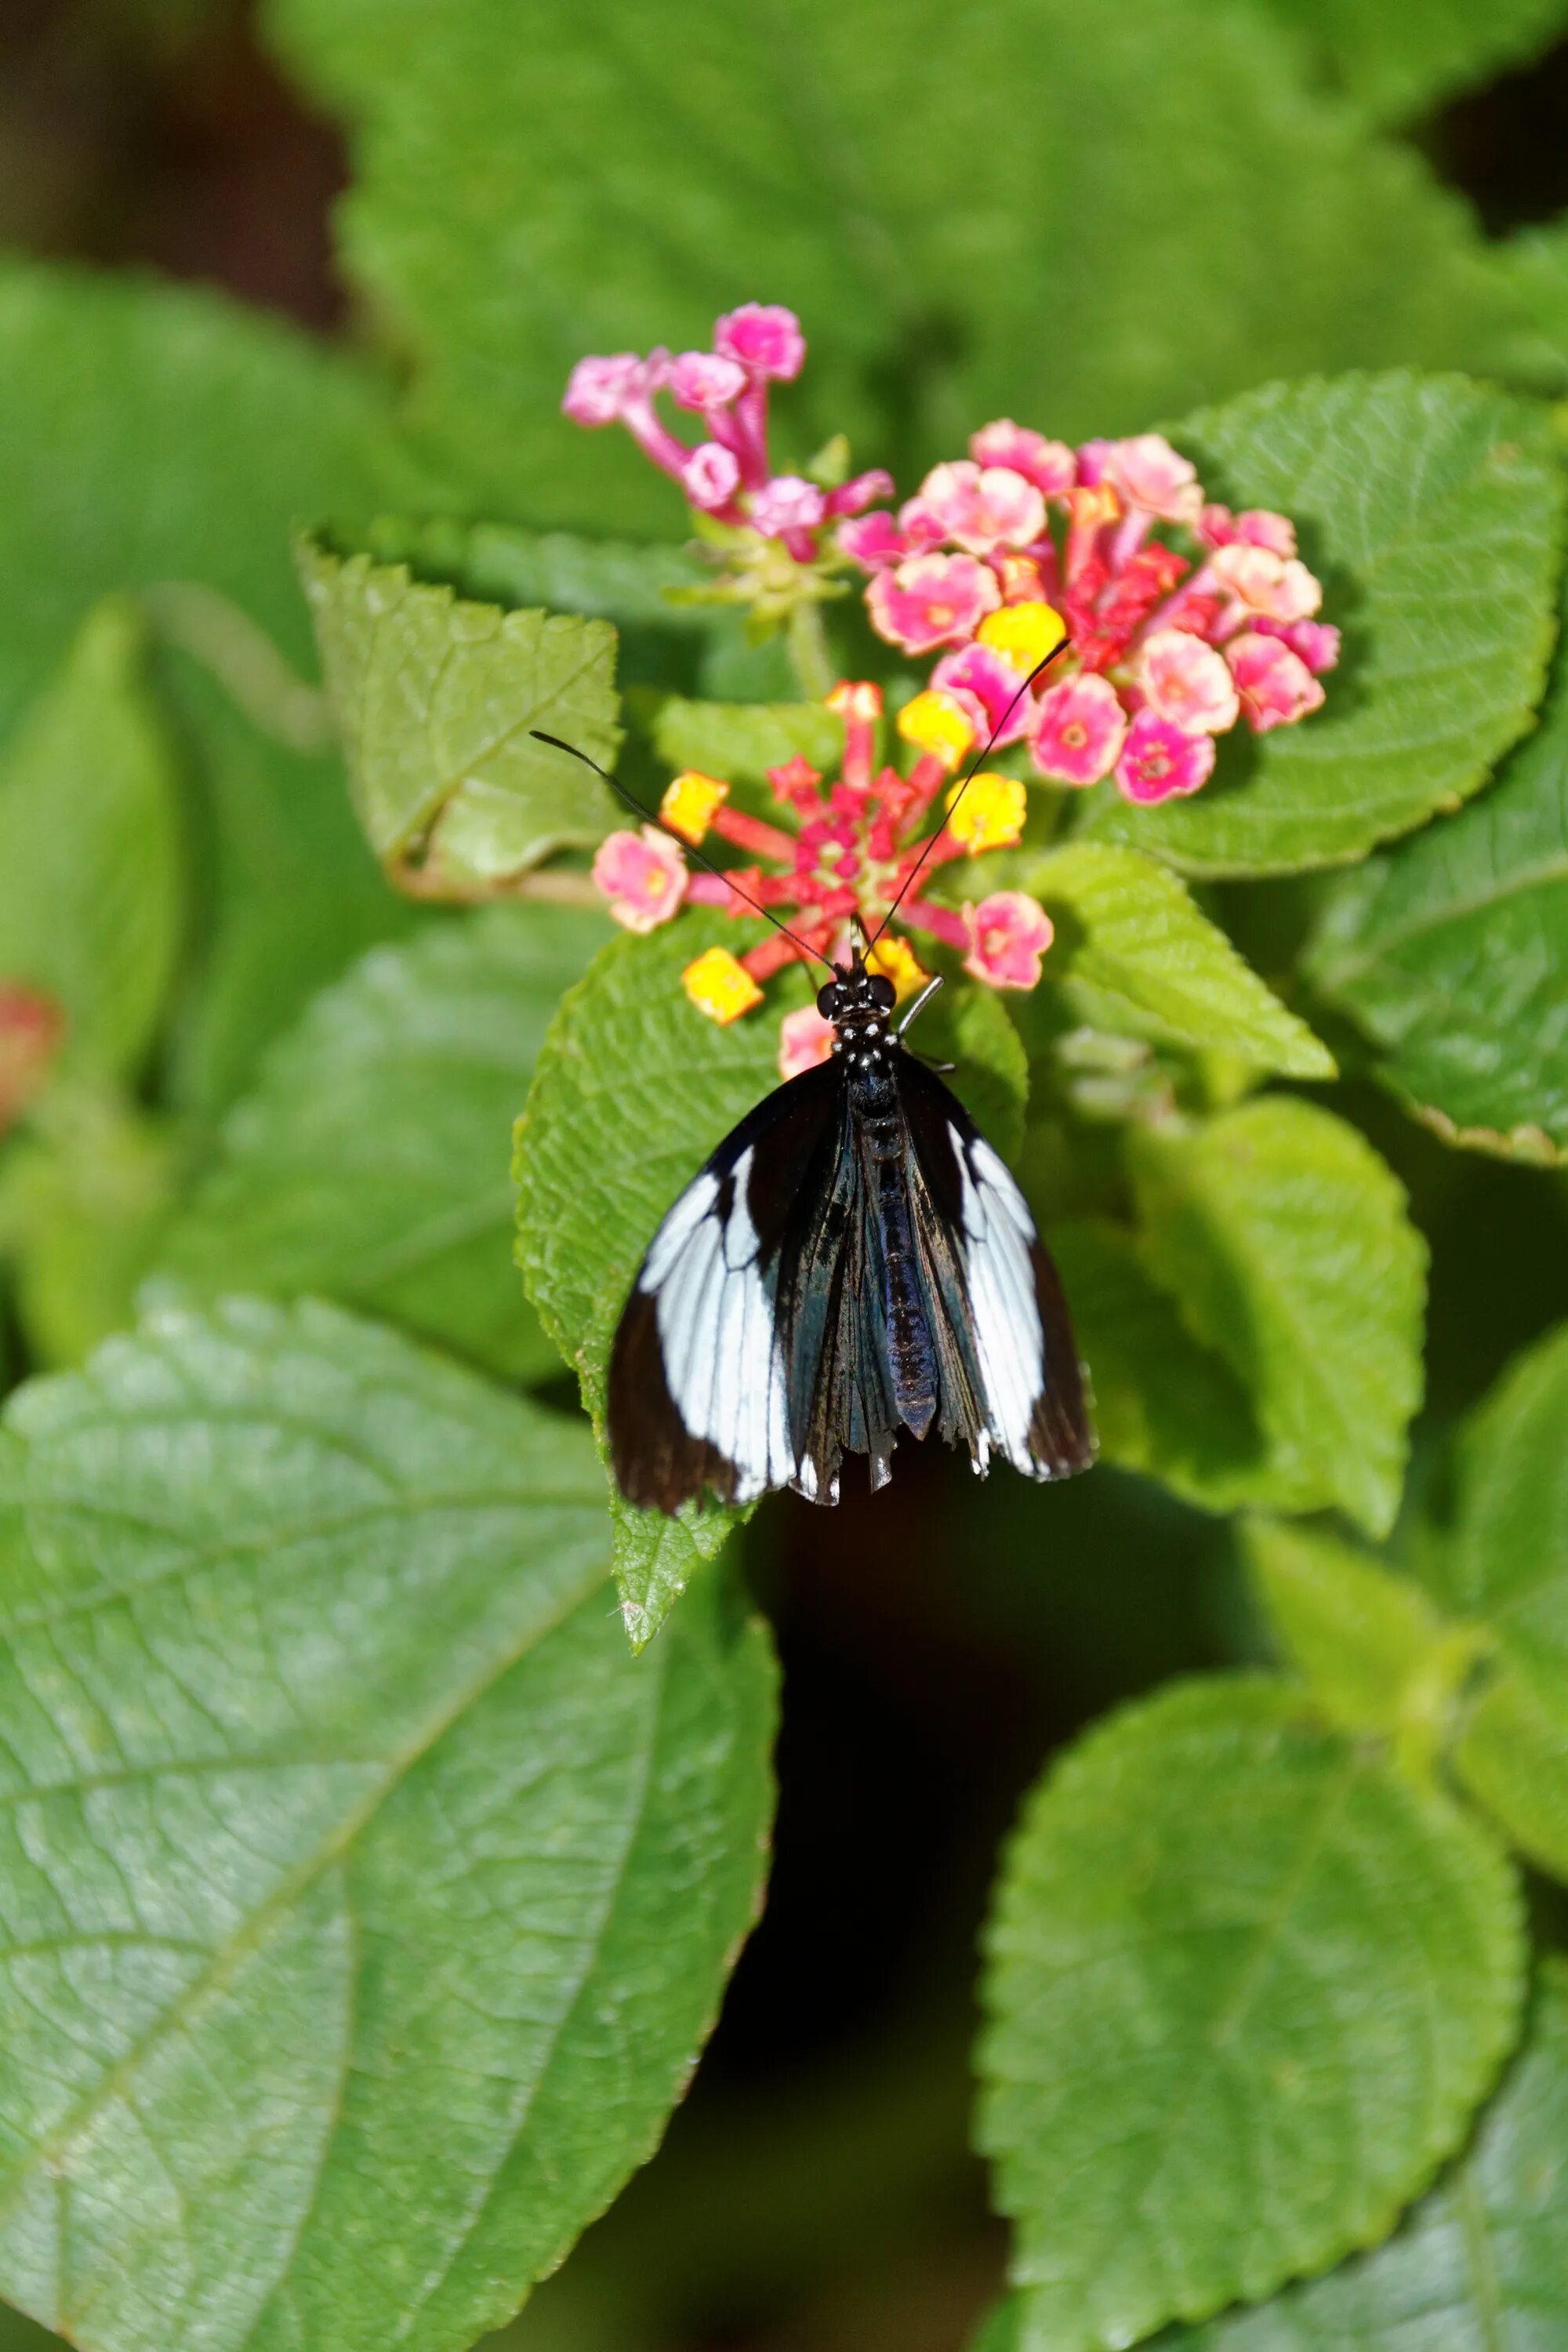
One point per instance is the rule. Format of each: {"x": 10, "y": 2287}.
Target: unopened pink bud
{"x": 701, "y": 380}
{"x": 852, "y": 497}
{"x": 599, "y": 389}
{"x": 764, "y": 338}
{"x": 710, "y": 476}
{"x": 788, "y": 502}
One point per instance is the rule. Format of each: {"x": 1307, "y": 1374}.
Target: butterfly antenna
{"x": 651, "y": 816}
{"x": 971, "y": 772}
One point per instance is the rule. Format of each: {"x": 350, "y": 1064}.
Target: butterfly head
{"x": 856, "y": 1002}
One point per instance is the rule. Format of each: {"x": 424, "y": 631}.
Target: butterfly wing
{"x": 698, "y": 1381}
{"x": 1010, "y": 1377}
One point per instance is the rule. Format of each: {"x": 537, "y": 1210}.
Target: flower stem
{"x": 807, "y": 641}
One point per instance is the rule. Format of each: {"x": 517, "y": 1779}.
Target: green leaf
{"x": 1482, "y": 2261}
{"x": 1452, "y": 953}
{"x": 1377, "y": 1656}
{"x": 437, "y": 697}
{"x": 848, "y": 162}
{"x": 633, "y": 1088}
{"x": 1395, "y": 58}
{"x": 1285, "y": 1240}
{"x": 91, "y": 898}
{"x": 1431, "y": 512}
{"x": 294, "y": 894}
{"x": 1163, "y": 1404}
{"x": 745, "y": 740}
{"x": 1132, "y": 953}
{"x": 614, "y": 579}
{"x": 1245, "y": 1987}
{"x": 1506, "y": 1564}
{"x": 364, "y": 1904}
{"x": 967, "y": 1025}
{"x": 86, "y": 1194}
{"x": 152, "y": 436}
{"x": 371, "y": 1165}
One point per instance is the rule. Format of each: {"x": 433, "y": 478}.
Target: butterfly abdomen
{"x": 883, "y": 1137}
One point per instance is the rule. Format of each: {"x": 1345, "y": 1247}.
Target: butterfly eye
{"x": 883, "y": 993}
{"x": 827, "y": 1000}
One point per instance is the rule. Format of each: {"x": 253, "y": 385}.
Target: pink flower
{"x": 805, "y": 1040}
{"x": 1079, "y": 729}
{"x": 1316, "y": 642}
{"x": 920, "y": 526}
{"x": 1274, "y": 684}
{"x": 1148, "y": 474}
{"x": 702, "y": 379}
{"x": 764, "y": 338}
{"x": 599, "y": 389}
{"x": 874, "y": 542}
{"x": 711, "y": 476}
{"x": 851, "y": 497}
{"x": 1160, "y": 762}
{"x": 995, "y": 683}
{"x": 786, "y": 503}
{"x": 979, "y": 508}
{"x": 1187, "y": 682}
{"x": 1217, "y": 527}
{"x": 1279, "y": 587}
{"x": 1009, "y": 934}
{"x": 931, "y": 601}
{"x": 1050, "y": 465}
{"x": 643, "y": 876}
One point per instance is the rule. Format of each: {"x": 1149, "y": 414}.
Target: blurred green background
{"x": 1110, "y": 221}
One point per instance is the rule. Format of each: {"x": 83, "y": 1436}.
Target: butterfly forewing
{"x": 757, "y": 1347}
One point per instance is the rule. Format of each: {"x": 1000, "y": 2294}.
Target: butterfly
{"x": 855, "y": 1260}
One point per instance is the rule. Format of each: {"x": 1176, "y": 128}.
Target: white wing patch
{"x": 722, "y": 1364}
{"x": 1009, "y": 1342}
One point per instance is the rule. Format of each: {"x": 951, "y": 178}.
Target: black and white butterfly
{"x": 855, "y": 1259}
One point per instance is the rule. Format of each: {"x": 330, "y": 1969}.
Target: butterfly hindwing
{"x": 698, "y": 1394}
{"x": 994, "y": 1290}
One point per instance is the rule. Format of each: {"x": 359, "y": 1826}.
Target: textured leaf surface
{"x": 1452, "y": 953}
{"x": 1245, "y": 1987}
{"x": 1136, "y": 954}
{"x": 1163, "y": 1403}
{"x": 372, "y": 1163}
{"x": 151, "y": 435}
{"x": 1285, "y": 1240}
{"x": 364, "y": 1904}
{"x": 436, "y": 698}
{"x": 632, "y": 1090}
{"x": 735, "y": 740}
{"x": 1368, "y": 1642}
{"x": 848, "y": 162}
{"x": 1395, "y": 58}
{"x": 91, "y": 902}
{"x": 1431, "y": 512}
{"x": 1481, "y": 2265}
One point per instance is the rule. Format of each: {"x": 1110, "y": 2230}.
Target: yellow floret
{"x": 896, "y": 960}
{"x": 1023, "y": 633}
{"x": 935, "y": 721}
{"x": 688, "y": 804}
{"x": 719, "y": 985}
{"x": 987, "y": 812}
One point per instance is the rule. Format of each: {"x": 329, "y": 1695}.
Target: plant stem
{"x": 807, "y": 641}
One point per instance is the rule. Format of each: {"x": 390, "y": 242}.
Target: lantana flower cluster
{"x": 843, "y": 855}
{"x": 727, "y": 475}
{"x": 1167, "y": 650}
